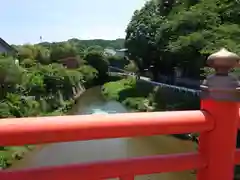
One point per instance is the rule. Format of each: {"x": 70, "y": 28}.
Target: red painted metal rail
{"x": 216, "y": 122}
{"x": 87, "y": 127}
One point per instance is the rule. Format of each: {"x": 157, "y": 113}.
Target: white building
{"x": 118, "y": 52}
{"x": 121, "y": 52}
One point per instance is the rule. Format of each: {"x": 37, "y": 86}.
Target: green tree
{"x": 43, "y": 55}
{"x": 95, "y": 48}
{"x": 21, "y": 106}
{"x": 90, "y": 75}
{"x": 98, "y": 61}
{"x": 62, "y": 50}
{"x": 10, "y": 76}
{"x": 140, "y": 38}
{"x": 27, "y": 63}
{"x": 26, "y": 52}
{"x": 34, "y": 84}
{"x": 118, "y": 62}
{"x": 168, "y": 33}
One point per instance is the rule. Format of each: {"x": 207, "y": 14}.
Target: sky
{"x": 24, "y": 21}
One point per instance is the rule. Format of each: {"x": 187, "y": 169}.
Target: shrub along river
{"x": 92, "y": 102}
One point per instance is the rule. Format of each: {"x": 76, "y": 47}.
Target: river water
{"x": 86, "y": 151}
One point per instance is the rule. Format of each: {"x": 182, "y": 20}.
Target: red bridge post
{"x": 220, "y": 99}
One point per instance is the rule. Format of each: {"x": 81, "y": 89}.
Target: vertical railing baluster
{"x": 220, "y": 98}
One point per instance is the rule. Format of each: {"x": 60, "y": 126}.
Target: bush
{"x": 143, "y": 96}
{"x": 89, "y": 74}
{"x": 113, "y": 90}
{"x": 117, "y": 62}
{"x": 27, "y": 63}
{"x": 98, "y": 61}
{"x": 136, "y": 103}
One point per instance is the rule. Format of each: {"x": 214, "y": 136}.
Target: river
{"x": 86, "y": 151}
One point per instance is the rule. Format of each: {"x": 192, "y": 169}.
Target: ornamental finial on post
{"x": 221, "y": 85}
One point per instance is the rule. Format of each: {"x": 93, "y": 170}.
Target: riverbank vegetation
{"x": 142, "y": 96}
{"x": 165, "y": 34}
{"x": 125, "y": 91}
{"x": 46, "y": 78}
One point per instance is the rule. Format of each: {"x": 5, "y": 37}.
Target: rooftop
{"x": 121, "y": 50}
{"x": 7, "y": 46}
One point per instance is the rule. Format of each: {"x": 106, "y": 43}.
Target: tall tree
{"x": 168, "y": 33}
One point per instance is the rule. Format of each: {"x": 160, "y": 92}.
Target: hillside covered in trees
{"x": 182, "y": 33}
{"x": 40, "y": 80}
{"x": 48, "y": 52}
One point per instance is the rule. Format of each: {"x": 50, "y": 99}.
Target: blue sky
{"x": 24, "y": 21}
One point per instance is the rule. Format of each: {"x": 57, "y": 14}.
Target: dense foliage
{"x": 168, "y": 33}
{"x": 39, "y": 89}
{"x": 41, "y": 79}
{"x": 118, "y": 62}
{"x": 181, "y": 33}
{"x": 144, "y": 96}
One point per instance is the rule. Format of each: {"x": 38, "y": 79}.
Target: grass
{"x": 112, "y": 90}
{"x": 10, "y": 154}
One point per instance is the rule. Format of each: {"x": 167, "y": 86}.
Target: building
{"x": 109, "y": 52}
{"x": 118, "y": 52}
{"x": 5, "y": 48}
{"x": 121, "y": 52}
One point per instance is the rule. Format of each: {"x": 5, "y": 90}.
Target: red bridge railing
{"x": 215, "y": 158}
{"x": 217, "y": 122}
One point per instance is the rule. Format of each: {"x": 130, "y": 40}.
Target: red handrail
{"x": 87, "y": 127}
{"x": 113, "y": 168}
{"x": 217, "y": 123}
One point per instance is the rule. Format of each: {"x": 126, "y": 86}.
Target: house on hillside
{"x": 121, "y": 52}
{"x": 117, "y": 52}
{"x": 5, "y": 48}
